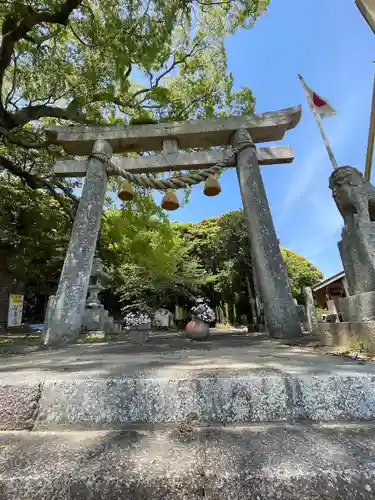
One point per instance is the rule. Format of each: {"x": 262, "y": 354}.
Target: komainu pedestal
{"x": 355, "y": 199}
{"x": 357, "y": 250}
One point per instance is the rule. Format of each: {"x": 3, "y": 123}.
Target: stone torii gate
{"x": 239, "y": 132}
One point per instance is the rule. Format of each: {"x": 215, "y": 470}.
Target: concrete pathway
{"x": 173, "y": 357}
{"x": 265, "y": 462}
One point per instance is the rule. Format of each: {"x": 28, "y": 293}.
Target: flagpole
{"x": 325, "y": 139}
{"x": 319, "y": 122}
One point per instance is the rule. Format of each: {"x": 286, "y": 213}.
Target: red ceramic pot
{"x": 197, "y": 329}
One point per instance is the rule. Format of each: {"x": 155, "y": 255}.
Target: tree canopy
{"x": 119, "y": 61}
{"x": 174, "y": 263}
{"x": 301, "y": 272}
{"x": 150, "y": 264}
{"x": 34, "y": 234}
{"x": 221, "y": 245}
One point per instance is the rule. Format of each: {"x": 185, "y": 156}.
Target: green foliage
{"x": 221, "y": 245}
{"x": 301, "y": 272}
{"x": 153, "y": 262}
{"x": 34, "y": 233}
{"x": 139, "y": 233}
{"x": 119, "y": 61}
{"x": 163, "y": 57}
{"x": 113, "y": 62}
{"x": 357, "y": 347}
{"x": 319, "y": 313}
{"x": 151, "y": 267}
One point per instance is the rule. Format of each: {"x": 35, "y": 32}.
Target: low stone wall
{"x": 346, "y": 333}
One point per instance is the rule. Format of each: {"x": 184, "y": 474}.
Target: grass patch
{"x": 13, "y": 344}
{"x": 225, "y": 327}
{"x": 353, "y": 349}
{"x": 357, "y": 346}
{"x": 20, "y": 339}
{"x": 118, "y": 337}
{"x": 93, "y": 339}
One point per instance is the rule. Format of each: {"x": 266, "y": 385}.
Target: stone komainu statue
{"x": 354, "y": 196}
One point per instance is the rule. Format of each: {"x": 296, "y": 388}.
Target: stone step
{"x": 258, "y": 461}
{"x": 108, "y": 403}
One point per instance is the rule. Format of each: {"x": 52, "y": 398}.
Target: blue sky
{"x": 331, "y": 45}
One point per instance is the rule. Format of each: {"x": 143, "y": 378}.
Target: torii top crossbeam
{"x": 263, "y": 127}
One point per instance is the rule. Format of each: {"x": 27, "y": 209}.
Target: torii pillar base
{"x": 279, "y": 308}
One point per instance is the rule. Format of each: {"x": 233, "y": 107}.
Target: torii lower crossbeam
{"x": 273, "y": 155}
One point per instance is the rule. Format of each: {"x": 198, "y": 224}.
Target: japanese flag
{"x": 318, "y": 104}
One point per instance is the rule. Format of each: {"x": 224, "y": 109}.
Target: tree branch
{"x": 12, "y": 90}
{"x": 30, "y": 113}
{"x": 21, "y": 30}
{"x": 67, "y": 192}
{"x": 129, "y": 70}
{"x": 41, "y": 39}
{"x": 35, "y": 182}
{"x": 154, "y": 84}
{"x": 21, "y": 142}
{"x": 29, "y": 179}
{"x": 80, "y": 39}
{"x": 46, "y": 183}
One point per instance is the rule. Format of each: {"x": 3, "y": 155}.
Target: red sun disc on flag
{"x": 318, "y": 101}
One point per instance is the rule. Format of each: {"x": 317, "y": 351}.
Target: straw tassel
{"x": 125, "y": 192}
{"x": 170, "y": 201}
{"x": 212, "y": 186}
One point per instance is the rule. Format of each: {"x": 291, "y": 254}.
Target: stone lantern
{"x": 95, "y": 318}
{"x": 97, "y": 279}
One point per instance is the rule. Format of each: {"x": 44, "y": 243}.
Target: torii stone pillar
{"x": 279, "y": 308}
{"x": 66, "y": 316}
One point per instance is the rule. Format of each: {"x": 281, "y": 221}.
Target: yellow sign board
{"x": 16, "y": 299}
{"x": 15, "y": 310}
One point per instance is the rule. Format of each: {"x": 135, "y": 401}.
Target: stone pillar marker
{"x": 69, "y": 304}
{"x": 280, "y": 310}
{"x": 48, "y": 314}
{"x": 310, "y": 308}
